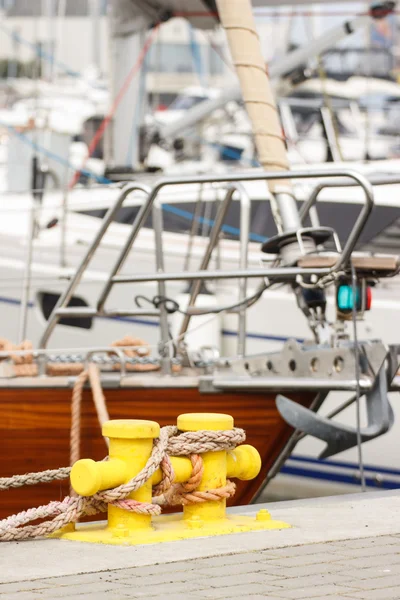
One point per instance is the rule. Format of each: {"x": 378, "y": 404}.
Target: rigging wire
{"x": 357, "y": 374}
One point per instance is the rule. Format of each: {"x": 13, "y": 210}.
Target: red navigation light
{"x": 368, "y": 298}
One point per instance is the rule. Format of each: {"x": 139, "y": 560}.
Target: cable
{"x": 357, "y": 374}
{"x": 172, "y": 306}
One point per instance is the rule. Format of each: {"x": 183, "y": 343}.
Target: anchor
{"x": 338, "y": 437}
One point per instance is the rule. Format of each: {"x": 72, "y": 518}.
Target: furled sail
{"x": 237, "y": 19}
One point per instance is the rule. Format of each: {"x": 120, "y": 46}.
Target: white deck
{"x": 343, "y": 547}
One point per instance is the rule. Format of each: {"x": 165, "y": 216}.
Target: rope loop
{"x": 197, "y": 442}
{"x": 71, "y": 509}
{"x": 187, "y": 493}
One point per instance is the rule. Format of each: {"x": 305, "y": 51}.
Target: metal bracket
{"x": 340, "y": 437}
{"x": 307, "y": 368}
{"x": 299, "y": 361}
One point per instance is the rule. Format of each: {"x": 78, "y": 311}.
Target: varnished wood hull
{"x": 35, "y": 429}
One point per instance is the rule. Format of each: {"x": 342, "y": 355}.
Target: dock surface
{"x": 343, "y": 547}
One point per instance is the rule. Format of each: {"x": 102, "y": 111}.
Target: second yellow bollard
{"x": 215, "y": 464}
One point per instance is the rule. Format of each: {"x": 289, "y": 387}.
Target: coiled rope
{"x": 24, "y": 365}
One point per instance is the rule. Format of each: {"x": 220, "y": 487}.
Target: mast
{"x": 61, "y": 14}
{"x": 48, "y": 13}
{"x": 95, "y": 18}
{"x": 238, "y": 21}
{"x": 237, "y": 18}
{"x": 128, "y": 27}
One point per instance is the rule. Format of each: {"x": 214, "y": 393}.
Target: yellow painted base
{"x": 169, "y": 528}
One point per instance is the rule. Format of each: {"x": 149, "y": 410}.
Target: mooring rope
{"x": 187, "y": 493}
{"x": 170, "y": 442}
{"x": 17, "y": 481}
{"x": 92, "y": 373}
{"x": 71, "y": 509}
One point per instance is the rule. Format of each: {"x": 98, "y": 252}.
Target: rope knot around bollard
{"x": 171, "y": 442}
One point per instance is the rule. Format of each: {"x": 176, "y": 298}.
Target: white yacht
{"x": 42, "y": 245}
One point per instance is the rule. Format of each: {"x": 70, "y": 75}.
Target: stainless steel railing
{"x": 74, "y": 282}
{"x": 153, "y": 204}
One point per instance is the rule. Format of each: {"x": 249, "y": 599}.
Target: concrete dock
{"x": 344, "y": 547}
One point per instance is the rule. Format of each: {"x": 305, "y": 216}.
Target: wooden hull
{"x": 35, "y": 429}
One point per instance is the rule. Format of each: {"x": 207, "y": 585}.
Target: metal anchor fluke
{"x": 340, "y": 437}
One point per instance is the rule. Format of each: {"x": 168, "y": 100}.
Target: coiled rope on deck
{"x": 23, "y": 365}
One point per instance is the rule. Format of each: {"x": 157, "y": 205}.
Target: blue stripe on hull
{"x": 150, "y": 323}
{"x": 345, "y": 465}
{"x": 324, "y": 473}
{"x": 14, "y": 301}
{"x": 386, "y": 484}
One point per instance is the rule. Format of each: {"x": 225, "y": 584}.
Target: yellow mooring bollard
{"x": 131, "y": 443}
{"x": 244, "y": 462}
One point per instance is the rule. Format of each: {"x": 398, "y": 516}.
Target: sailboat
{"x": 35, "y": 405}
